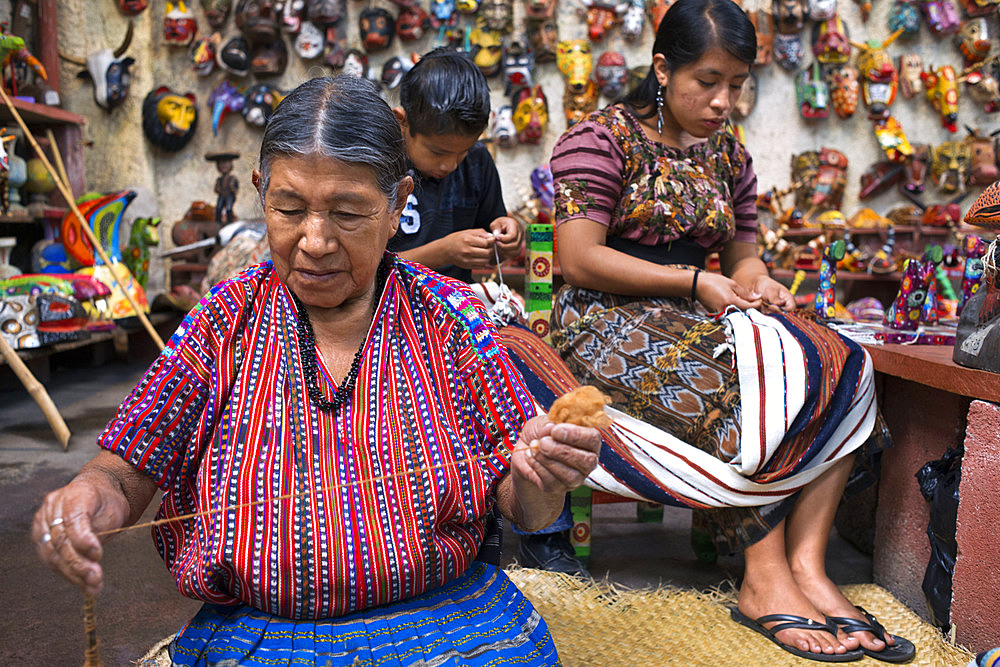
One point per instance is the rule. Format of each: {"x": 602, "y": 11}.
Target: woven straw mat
{"x": 604, "y": 625}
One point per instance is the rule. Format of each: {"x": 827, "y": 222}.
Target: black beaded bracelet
{"x": 694, "y": 285}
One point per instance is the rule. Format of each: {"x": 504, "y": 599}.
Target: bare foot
{"x": 828, "y": 599}
{"x": 758, "y": 599}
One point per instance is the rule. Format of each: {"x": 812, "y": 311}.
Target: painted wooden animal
{"x": 141, "y": 238}
{"x": 879, "y": 79}
{"x": 907, "y": 309}
{"x": 977, "y": 343}
{"x": 844, "y": 91}
{"x": 941, "y": 88}
{"x": 972, "y": 273}
{"x": 825, "y": 300}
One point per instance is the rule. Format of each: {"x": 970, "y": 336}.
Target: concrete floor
{"x": 41, "y": 618}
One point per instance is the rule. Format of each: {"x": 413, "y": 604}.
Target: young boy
{"x": 456, "y": 213}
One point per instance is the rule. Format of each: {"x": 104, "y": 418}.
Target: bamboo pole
{"x": 57, "y": 155}
{"x": 37, "y": 392}
{"x": 88, "y": 232}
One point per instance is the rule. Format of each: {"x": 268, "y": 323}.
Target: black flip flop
{"x": 791, "y": 622}
{"x": 902, "y": 650}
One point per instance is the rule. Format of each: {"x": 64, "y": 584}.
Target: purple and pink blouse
{"x": 606, "y": 169}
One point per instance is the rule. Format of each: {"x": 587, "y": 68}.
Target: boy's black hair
{"x": 445, "y": 93}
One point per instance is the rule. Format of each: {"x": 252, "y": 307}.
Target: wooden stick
{"x": 37, "y": 391}
{"x": 57, "y": 155}
{"x": 88, "y": 232}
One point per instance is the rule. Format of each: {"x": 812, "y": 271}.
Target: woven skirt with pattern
{"x": 668, "y": 363}
{"x": 479, "y": 619}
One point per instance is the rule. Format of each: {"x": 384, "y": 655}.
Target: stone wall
{"x": 120, "y": 156}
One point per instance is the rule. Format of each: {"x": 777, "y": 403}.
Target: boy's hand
{"x": 509, "y": 236}
{"x": 470, "y": 248}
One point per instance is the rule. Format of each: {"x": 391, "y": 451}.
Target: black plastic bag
{"x": 939, "y": 482}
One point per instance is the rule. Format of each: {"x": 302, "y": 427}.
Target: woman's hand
{"x": 65, "y": 527}
{"x": 549, "y": 460}
{"x": 509, "y": 236}
{"x": 774, "y": 295}
{"x": 717, "y": 292}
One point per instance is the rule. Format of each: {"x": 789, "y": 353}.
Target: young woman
{"x": 644, "y": 189}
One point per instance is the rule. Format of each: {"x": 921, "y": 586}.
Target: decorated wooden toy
{"x": 941, "y": 15}
{"x": 657, "y": 10}
{"x": 309, "y": 41}
{"x": 892, "y": 140}
{"x": 822, "y": 10}
{"x": 141, "y": 238}
{"x": 131, "y": 7}
{"x": 539, "y": 10}
{"x": 542, "y": 186}
{"x": 977, "y": 343}
{"x": 831, "y": 45}
{"x": 355, "y": 63}
{"x": 844, "y": 91}
{"x": 260, "y": 102}
{"x": 169, "y": 119}
{"x": 812, "y": 92}
{"x": 412, "y": 23}
{"x": 531, "y": 114}
{"x": 377, "y": 26}
{"x": 911, "y": 66}
{"x": 504, "y": 132}
{"x": 904, "y": 15}
{"x": 577, "y": 105}
{"x": 518, "y": 65}
{"x": 982, "y": 85}
{"x": 486, "y": 50}
{"x": 855, "y": 259}
{"x": 789, "y": 16}
{"x": 883, "y": 260}
{"x": 291, "y": 15}
{"x": 257, "y": 20}
{"x": 942, "y": 92}
{"x": 788, "y": 51}
{"x": 497, "y": 15}
{"x": 764, "y": 27}
{"x": 202, "y": 54}
{"x": 950, "y": 166}
{"x": 234, "y": 56}
{"x": 268, "y": 60}
{"x": 973, "y": 40}
{"x": 216, "y": 12}
{"x": 878, "y": 75}
{"x": 602, "y": 15}
{"x": 226, "y": 185}
{"x": 747, "y": 100}
{"x": 611, "y": 74}
{"x": 635, "y": 19}
{"x": 826, "y": 297}
{"x": 179, "y": 26}
{"x": 108, "y": 71}
{"x": 907, "y": 309}
{"x": 393, "y": 70}
{"x": 467, "y": 6}
{"x": 575, "y": 60}
{"x": 972, "y": 273}
{"x": 538, "y": 278}
{"x": 982, "y": 157}
{"x": 543, "y": 36}
{"x": 981, "y": 7}
{"x": 915, "y": 169}
{"x": 224, "y": 99}
{"x": 5, "y": 171}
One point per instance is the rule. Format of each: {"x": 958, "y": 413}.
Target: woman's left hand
{"x": 773, "y": 294}
{"x": 554, "y": 458}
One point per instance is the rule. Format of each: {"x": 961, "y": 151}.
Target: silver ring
{"x": 56, "y": 522}
{"x": 46, "y": 538}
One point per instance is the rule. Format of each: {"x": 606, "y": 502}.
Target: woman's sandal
{"x": 902, "y": 650}
{"x": 791, "y": 622}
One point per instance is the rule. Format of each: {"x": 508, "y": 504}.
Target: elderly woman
{"x": 349, "y": 421}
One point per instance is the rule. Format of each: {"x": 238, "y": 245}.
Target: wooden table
{"x": 930, "y": 404}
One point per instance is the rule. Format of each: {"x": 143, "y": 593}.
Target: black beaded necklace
{"x": 307, "y": 343}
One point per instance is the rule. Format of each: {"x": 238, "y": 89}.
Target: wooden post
{"x": 48, "y": 36}
{"x": 37, "y": 392}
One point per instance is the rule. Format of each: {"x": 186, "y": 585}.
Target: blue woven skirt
{"x": 481, "y": 618}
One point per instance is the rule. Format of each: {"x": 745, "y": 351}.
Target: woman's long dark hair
{"x": 687, "y": 31}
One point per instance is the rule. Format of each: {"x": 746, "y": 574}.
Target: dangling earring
{"x": 659, "y": 110}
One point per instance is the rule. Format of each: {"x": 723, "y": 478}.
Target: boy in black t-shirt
{"x": 456, "y": 212}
